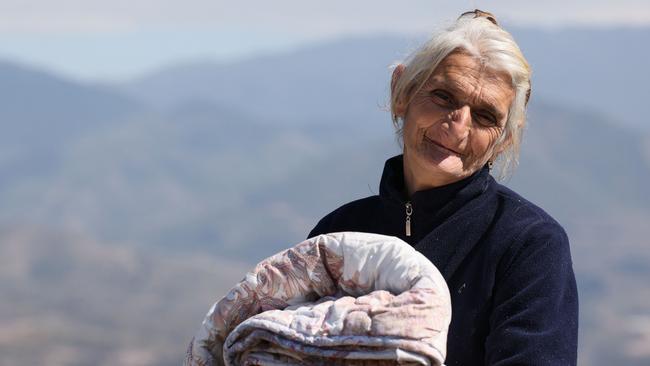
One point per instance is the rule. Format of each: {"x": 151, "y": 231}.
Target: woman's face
{"x": 452, "y": 124}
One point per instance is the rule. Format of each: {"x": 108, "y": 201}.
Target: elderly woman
{"x": 459, "y": 106}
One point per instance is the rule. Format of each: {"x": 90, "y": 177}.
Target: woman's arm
{"x": 534, "y": 319}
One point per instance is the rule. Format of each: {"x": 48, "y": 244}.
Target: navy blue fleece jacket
{"x": 507, "y": 264}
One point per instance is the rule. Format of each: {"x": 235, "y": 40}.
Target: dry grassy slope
{"x": 69, "y": 300}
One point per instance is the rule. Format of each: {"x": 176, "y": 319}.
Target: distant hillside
{"x": 603, "y": 69}
{"x": 185, "y": 174}
{"x": 68, "y": 300}
{"x": 39, "y": 108}
{"x": 235, "y": 162}
{"x": 340, "y": 84}
{"x": 579, "y": 162}
{"x": 41, "y": 114}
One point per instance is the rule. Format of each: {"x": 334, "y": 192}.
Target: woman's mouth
{"x": 442, "y": 147}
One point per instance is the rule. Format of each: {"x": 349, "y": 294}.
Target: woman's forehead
{"x": 470, "y": 76}
{"x": 460, "y": 67}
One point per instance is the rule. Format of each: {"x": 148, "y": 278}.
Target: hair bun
{"x": 480, "y": 14}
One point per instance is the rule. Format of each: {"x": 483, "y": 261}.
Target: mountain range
{"x": 200, "y": 170}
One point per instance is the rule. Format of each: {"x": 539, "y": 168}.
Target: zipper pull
{"x": 409, "y": 211}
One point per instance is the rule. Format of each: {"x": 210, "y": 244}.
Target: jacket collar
{"x": 392, "y": 187}
{"x": 448, "y": 220}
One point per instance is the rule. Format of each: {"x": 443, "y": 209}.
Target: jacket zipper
{"x": 409, "y": 211}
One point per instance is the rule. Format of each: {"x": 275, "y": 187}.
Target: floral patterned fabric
{"x": 336, "y": 299}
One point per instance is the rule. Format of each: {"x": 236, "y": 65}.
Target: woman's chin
{"x": 449, "y": 165}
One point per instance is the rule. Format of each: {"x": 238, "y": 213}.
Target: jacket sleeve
{"x": 534, "y": 318}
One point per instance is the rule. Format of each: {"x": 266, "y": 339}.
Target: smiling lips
{"x": 441, "y": 146}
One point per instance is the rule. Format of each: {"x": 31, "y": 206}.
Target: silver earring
{"x": 490, "y": 164}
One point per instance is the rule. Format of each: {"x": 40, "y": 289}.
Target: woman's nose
{"x": 461, "y": 121}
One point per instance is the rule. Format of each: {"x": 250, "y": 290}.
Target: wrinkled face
{"x": 452, "y": 124}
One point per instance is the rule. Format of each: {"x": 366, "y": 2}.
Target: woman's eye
{"x": 486, "y": 119}
{"x": 443, "y": 96}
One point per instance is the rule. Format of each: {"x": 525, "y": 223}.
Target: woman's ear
{"x": 399, "y": 108}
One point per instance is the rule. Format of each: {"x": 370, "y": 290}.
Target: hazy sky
{"x": 117, "y": 39}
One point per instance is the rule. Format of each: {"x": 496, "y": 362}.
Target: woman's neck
{"x": 418, "y": 178}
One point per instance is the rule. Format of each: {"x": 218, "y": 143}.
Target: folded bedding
{"x": 343, "y": 298}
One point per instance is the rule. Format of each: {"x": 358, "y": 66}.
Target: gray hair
{"x": 478, "y": 34}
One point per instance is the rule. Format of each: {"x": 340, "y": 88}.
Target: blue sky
{"x": 119, "y": 39}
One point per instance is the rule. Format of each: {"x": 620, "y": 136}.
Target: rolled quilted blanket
{"x": 336, "y": 299}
